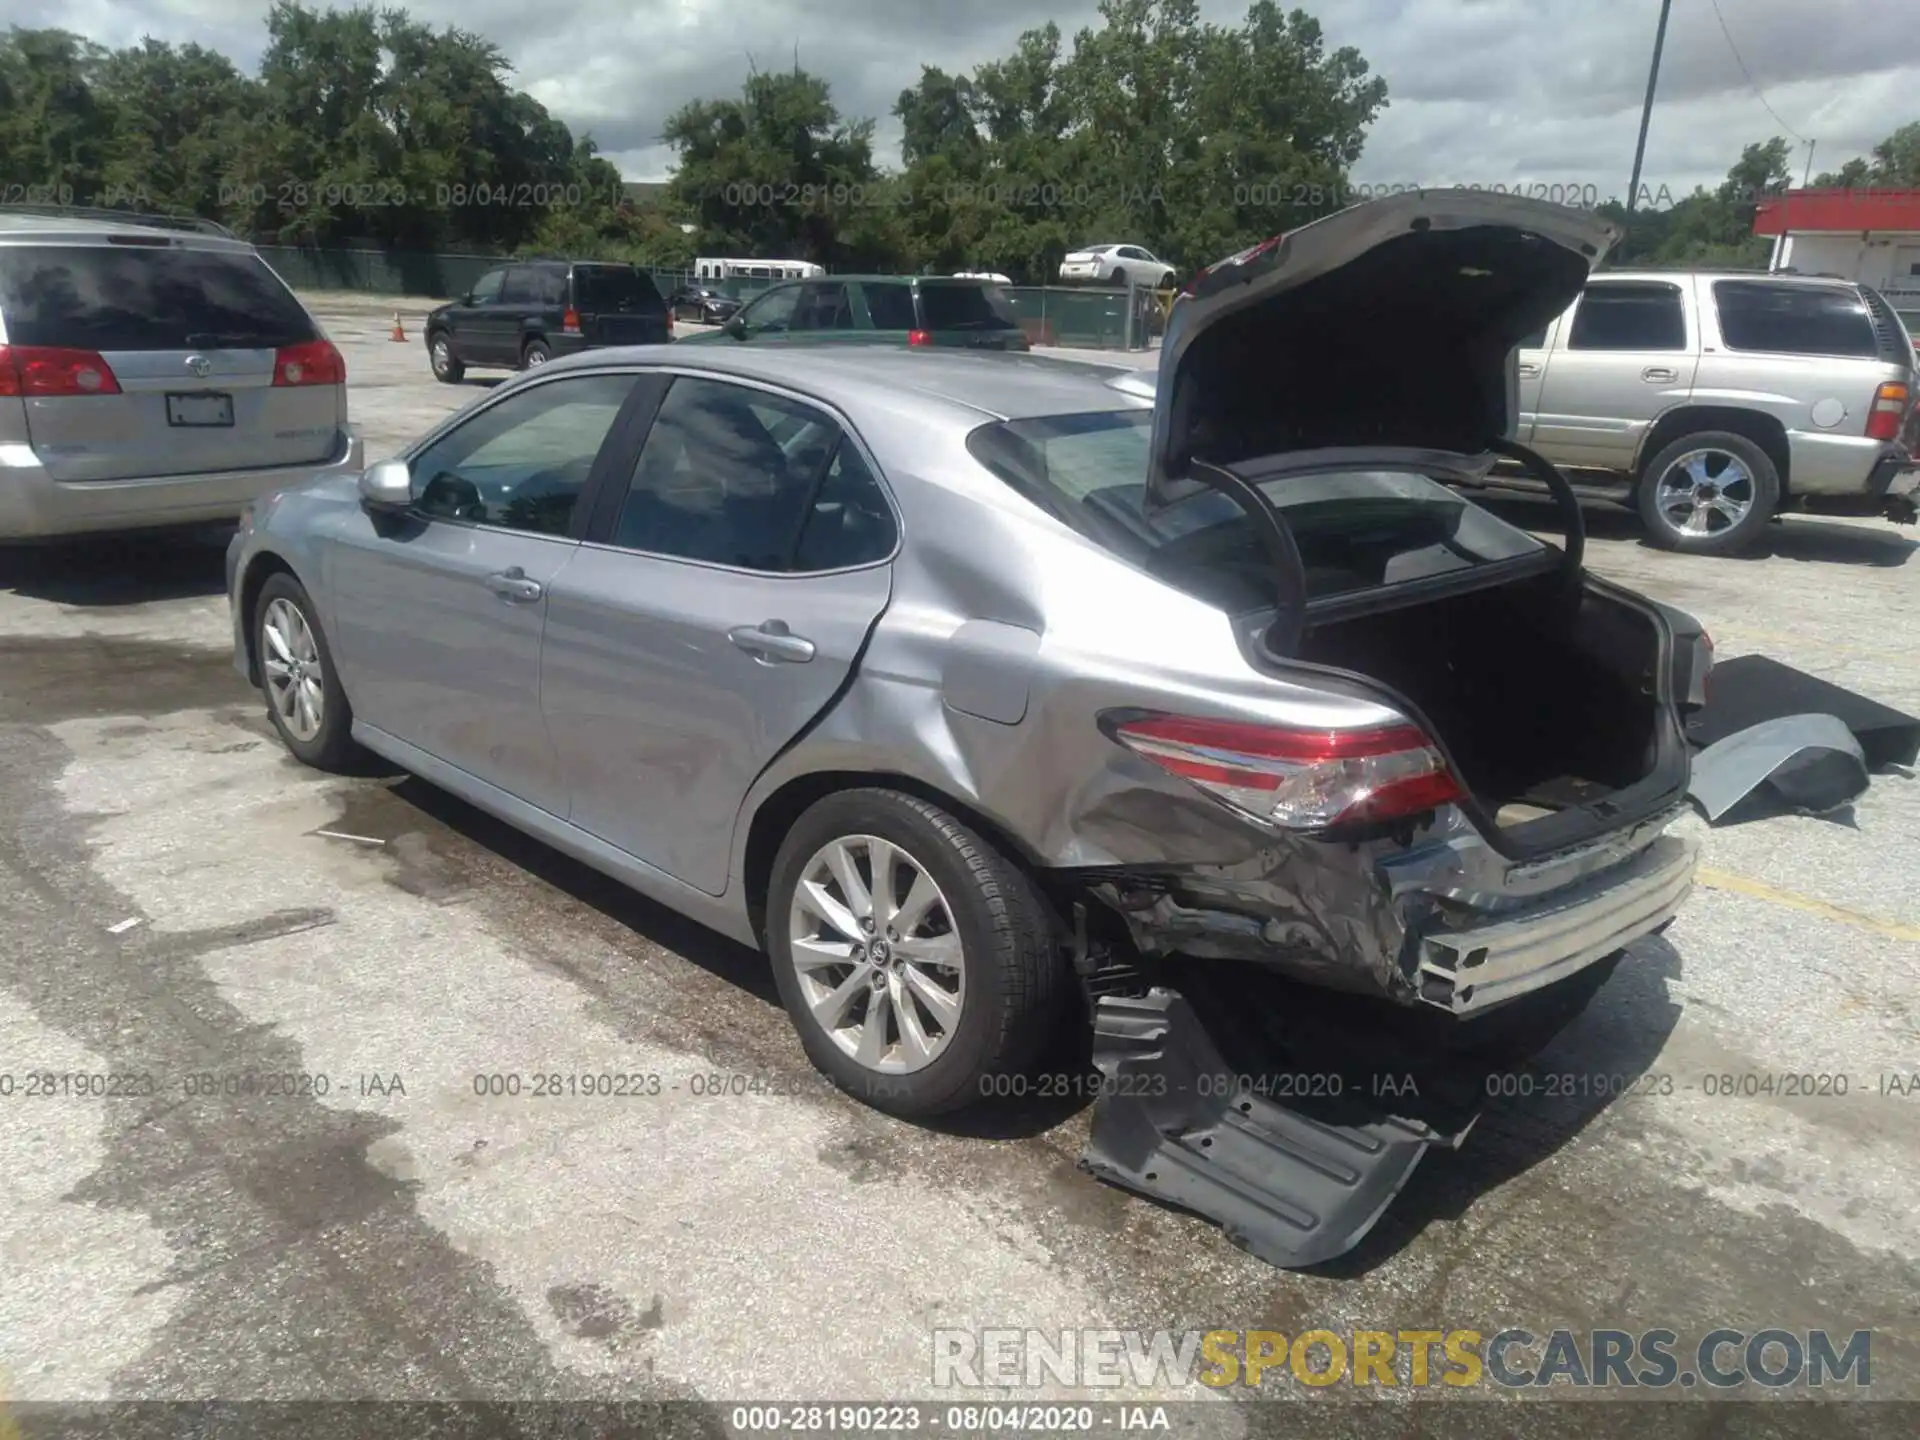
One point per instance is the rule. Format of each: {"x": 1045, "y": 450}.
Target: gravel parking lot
{"x": 183, "y": 899}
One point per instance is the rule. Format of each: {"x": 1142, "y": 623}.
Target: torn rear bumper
{"x": 1172, "y": 1124}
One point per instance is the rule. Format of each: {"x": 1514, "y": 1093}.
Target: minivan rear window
{"x": 1356, "y": 530}
{"x": 966, "y": 307}
{"x": 618, "y": 288}
{"x": 108, "y": 298}
{"x": 1794, "y": 319}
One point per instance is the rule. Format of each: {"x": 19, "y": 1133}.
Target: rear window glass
{"x": 1794, "y": 319}
{"x": 1356, "y": 530}
{"x": 967, "y": 307}
{"x": 146, "y": 298}
{"x": 890, "y": 307}
{"x": 616, "y": 287}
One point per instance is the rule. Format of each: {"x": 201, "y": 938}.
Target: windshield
{"x": 1356, "y": 530}
{"x": 967, "y": 307}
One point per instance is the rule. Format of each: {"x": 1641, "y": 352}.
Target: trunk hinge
{"x": 1290, "y": 575}
{"x": 1548, "y": 474}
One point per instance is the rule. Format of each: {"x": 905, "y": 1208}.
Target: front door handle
{"x": 1659, "y": 375}
{"x": 513, "y": 584}
{"x": 772, "y": 642}
{"x": 1528, "y": 370}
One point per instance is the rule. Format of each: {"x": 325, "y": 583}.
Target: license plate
{"x": 200, "y": 409}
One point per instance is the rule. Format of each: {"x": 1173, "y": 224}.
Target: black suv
{"x": 524, "y": 314}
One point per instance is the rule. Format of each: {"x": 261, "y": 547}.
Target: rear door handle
{"x": 772, "y": 642}
{"x": 513, "y": 584}
{"x": 1659, "y": 374}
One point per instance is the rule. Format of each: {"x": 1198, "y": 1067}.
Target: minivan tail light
{"x": 36, "y": 370}
{"x": 570, "y": 322}
{"x": 1300, "y": 779}
{"x": 919, "y": 337}
{"x": 314, "y": 363}
{"x": 1889, "y": 409}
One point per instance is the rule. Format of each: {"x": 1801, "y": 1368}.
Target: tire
{"x": 1686, "y": 479}
{"x": 535, "y": 353}
{"x": 330, "y": 746}
{"x": 446, "y": 365}
{"x": 1119, "y": 278}
{"x": 1005, "y": 994}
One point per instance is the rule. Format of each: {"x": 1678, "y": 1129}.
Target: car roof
{"x": 967, "y": 385}
{"x": 189, "y": 231}
{"x": 1767, "y": 277}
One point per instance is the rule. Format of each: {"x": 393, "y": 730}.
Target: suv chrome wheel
{"x": 877, "y": 955}
{"x": 294, "y": 672}
{"x": 1704, "y": 492}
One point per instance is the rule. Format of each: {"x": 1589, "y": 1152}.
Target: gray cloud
{"x": 1482, "y": 91}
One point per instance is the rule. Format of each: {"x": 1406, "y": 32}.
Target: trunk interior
{"x": 1545, "y": 707}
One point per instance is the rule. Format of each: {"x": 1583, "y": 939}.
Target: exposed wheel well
{"x": 1765, "y": 431}
{"x": 265, "y": 565}
{"x": 777, "y": 814}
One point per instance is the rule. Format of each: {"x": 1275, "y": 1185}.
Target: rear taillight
{"x": 669, "y": 324}
{"x": 919, "y": 337}
{"x": 36, "y": 370}
{"x": 314, "y": 363}
{"x": 1889, "y": 409}
{"x": 1297, "y": 778}
{"x": 570, "y": 322}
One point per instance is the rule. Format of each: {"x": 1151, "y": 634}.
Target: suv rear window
{"x": 620, "y": 288}
{"x": 1356, "y": 530}
{"x": 1794, "y": 319}
{"x": 965, "y": 306}
{"x": 137, "y": 297}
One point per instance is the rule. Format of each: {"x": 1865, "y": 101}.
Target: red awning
{"x": 1842, "y": 211}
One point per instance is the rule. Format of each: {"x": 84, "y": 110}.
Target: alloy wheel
{"x": 296, "y": 677}
{"x": 442, "y": 357}
{"x": 877, "y": 955}
{"x": 1704, "y": 492}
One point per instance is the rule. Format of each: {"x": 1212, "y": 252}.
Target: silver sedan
{"x": 973, "y": 687}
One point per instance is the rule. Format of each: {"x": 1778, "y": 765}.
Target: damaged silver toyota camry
{"x": 977, "y": 687}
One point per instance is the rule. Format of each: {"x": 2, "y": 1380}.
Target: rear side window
{"x": 1629, "y": 317}
{"x": 890, "y": 307}
{"x": 522, "y": 287}
{"x": 116, "y": 297}
{"x": 1794, "y": 319}
{"x": 617, "y": 288}
{"x": 1356, "y": 530}
{"x": 967, "y": 307}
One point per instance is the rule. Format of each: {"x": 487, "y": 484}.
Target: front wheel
{"x": 917, "y": 962}
{"x": 1709, "y": 493}
{"x": 446, "y": 365}
{"x": 305, "y": 700}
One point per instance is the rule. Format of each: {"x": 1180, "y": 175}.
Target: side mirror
{"x": 735, "y": 326}
{"x": 387, "y": 486}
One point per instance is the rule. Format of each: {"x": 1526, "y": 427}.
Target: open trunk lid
{"x": 1380, "y": 336}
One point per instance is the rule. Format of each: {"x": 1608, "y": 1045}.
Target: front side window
{"x": 1629, "y": 317}
{"x": 739, "y": 477}
{"x": 1356, "y": 530}
{"x": 772, "y": 313}
{"x": 1794, "y": 319}
{"x": 486, "y": 289}
{"x": 521, "y": 464}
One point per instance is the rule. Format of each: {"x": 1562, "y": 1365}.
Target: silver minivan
{"x": 154, "y": 376}
{"x": 1712, "y": 401}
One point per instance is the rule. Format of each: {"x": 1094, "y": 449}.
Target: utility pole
{"x": 1807, "y": 179}
{"x": 1646, "y": 110}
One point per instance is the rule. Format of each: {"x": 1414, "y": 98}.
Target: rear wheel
{"x": 1709, "y": 493}
{"x": 917, "y": 962}
{"x": 305, "y": 701}
{"x": 536, "y": 353}
{"x": 1119, "y": 278}
{"x": 446, "y": 365}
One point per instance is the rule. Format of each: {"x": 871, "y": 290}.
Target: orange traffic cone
{"x": 398, "y": 333}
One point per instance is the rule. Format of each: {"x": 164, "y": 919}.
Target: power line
{"x": 1752, "y": 84}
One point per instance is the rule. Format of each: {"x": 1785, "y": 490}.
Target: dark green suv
{"x": 897, "y": 309}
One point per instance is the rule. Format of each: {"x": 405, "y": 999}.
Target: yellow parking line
{"x": 1740, "y": 885}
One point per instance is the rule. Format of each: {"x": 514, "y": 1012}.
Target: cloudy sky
{"x": 1481, "y": 91}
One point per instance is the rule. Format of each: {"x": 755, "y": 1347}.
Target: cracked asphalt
{"x": 182, "y": 903}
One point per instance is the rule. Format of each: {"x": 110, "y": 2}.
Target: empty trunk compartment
{"x": 1544, "y": 706}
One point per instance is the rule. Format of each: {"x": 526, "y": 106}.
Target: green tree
{"x": 55, "y": 134}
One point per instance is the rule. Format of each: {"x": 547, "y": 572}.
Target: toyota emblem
{"x": 200, "y": 365}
